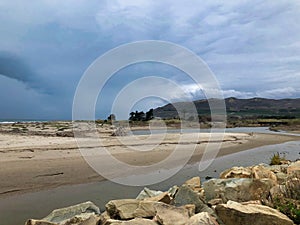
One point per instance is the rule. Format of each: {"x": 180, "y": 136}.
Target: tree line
{"x": 134, "y": 116}
{"x": 141, "y": 116}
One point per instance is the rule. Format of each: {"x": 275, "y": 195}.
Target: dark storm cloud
{"x": 13, "y": 67}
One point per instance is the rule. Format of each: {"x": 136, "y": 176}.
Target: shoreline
{"x": 104, "y": 191}
{"x": 33, "y": 163}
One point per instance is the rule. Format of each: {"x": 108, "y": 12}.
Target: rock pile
{"x": 241, "y": 196}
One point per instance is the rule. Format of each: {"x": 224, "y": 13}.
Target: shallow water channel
{"x": 16, "y": 209}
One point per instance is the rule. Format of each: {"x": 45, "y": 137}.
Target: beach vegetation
{"x": 289, "y": 202}
{"x": 288, "y": 207}
{"x": 276, "y": 159}
{"x": 15, "y": 129}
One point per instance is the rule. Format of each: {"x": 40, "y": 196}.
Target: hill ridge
{"x": 248, "y": 107}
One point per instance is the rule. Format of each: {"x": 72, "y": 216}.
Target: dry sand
{"x": 30, "y": 163}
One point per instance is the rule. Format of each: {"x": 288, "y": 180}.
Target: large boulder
{"x": 261, "y": 172}
{"x": 146, "y": 209}
{"x": 234, "y": 213}
{"x": 194, "y": 183}
{"x": 289, "y": 189}
{"x": 62, "y": 214}
{"x": 163, "y": 197}
{"x": 186, "y": 195}
{"x": 84, "y": 213}
{"x": 83, "y": 219}
{"x": 257, "y": 172}
{"x": 122, "y": 209}
{"x": 281, "y": 177}
{"x": 171, "y": 215}
{"x": 277, "y": 168}
{"x": 126, "y": 209}
{"x": 202, "y": 219}
{"x": 294, "y": 169}
{"x": 278, "y": 190}
{"x": 237, "y": 189}
{"x": 236, "y": 172}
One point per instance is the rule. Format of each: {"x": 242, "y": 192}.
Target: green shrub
{"x": 288, "y": 201}
{"x": 276, "y": 159}
{"x": 289, "y": 207}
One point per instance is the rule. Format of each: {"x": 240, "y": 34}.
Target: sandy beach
{"x": 32, "y": 162}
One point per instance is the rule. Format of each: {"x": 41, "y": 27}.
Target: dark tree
{"x": 137, "y": 116}
{"x": 111, "y": 117}
{"x": 140, "y": 115}
{"x": 132, "y": 116}
{"x": 149, "y": 115}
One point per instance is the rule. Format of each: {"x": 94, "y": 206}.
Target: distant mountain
{"x": 254, "y": 107}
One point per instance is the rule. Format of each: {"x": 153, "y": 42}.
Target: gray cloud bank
{"x": 253, "y": 47}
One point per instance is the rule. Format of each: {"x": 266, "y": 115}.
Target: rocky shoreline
{"x": 260, "y": 194}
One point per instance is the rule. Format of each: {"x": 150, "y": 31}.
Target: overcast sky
{"x": 251, "y": 46}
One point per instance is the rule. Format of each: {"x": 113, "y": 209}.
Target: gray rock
{"x": 185, "y": 196}
{"x": 281, "y": 177}
{"x": 170, "y": 215}
{"x": 278, "y": 168}
{"x": 147, "y": 193}
{"x": 202, "y": 219}
{"x": 84, "y": 213}
{"x": 125, "y": 209}
{"x": 237, "y": 189}
{"x": 163, "y": 197}
{"x": 82, "y": 219}
{"x": 290, "y": 189}
{"x": 146, "y": 209}
{"x": 278, "y": 190}
{"x": 122, "y": 209}
{"x": 234, "y": 213}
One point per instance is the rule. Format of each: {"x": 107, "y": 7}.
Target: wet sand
{"x": 17, "y": 209}
{"x": 41, "y": 171}
{"x": 30, "y": 163}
